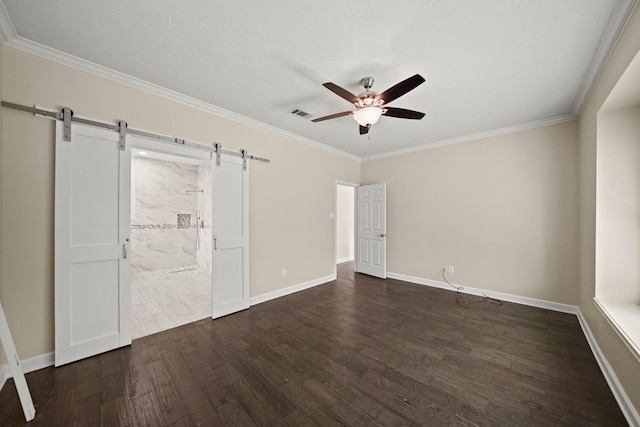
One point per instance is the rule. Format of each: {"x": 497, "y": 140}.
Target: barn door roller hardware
{"x": 66, "y": 115}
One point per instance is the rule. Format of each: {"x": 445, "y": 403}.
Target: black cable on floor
{"x": 460, "y": 300}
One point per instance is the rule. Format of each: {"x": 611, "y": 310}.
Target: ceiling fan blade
{"x": 402, "y": 113}
{"x": 364, "y": 129}
{"x": 343, "y": 93}
{"x": 332, "y": 116}
{"x": 401, "y": 88}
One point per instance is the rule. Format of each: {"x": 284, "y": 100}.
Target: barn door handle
{"x": 215, "y": 243}
{"x": 124, "y": 249}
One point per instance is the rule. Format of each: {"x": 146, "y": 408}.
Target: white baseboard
{"x": 4, "y": 375}
{"x": 341, "y": 260}
{"x": 28, "y": 365}
{"x": 45, "y": 360}
{"x": 621, "y": 397}
{"x": 626, "y": 406}
{"x": 291, "y": 289}
{"x": 534, "y": 302}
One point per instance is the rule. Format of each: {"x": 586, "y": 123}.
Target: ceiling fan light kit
{"x": 367, "y": 116}
{"x": 370, "y": 106}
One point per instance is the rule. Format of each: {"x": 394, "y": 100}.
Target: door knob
{"x": 382, "y": 235}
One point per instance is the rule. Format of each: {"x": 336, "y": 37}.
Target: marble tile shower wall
{"x": 163, "y": 223}
{"x": 205, "y": 240}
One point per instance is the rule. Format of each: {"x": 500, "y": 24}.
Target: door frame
{"x": 142, "y": 143}
{"x": 335, "y": 222}
{"x": 147, "y": 144}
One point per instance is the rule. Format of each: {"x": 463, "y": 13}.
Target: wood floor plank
{"x": 115, "y": 412}
{"x": 143, "y": 410}
{"x": 355, "y": 351}
{"x": 195, "y": 402}
{"x": 136, "y": 381}
{"x": 302, "y": 398}
{"x": 170, "y": 408}
{"x": 253, "y": 404}
{"x": 232, "y": 414}
{"x": 298, "y": 419}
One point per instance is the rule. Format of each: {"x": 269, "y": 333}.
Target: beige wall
{"x": 502, "y": 211}
{"x": 624, "y": 364}
{"x": 290, "y": 198}
{"x": 618, "y": 206}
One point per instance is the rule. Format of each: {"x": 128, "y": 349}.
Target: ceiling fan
{"x": 371, "y": 105}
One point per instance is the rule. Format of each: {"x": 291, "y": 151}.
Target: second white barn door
{"x": 371, "y": 230}
{"x": 230, "y": 266}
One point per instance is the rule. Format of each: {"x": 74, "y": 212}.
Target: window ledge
{"x": 624, "y": 317}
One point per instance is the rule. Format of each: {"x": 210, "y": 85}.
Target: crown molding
{"x": 476, "y": 136}
{"x": 614, "y": 29}
{"x": 10, "y": 38}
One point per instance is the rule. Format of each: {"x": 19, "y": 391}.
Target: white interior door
{"x": 92, "y": 235}
{"x": 371, "y": 229}
{"x": 230, "y": 223}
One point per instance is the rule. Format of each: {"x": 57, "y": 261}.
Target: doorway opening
{"x": 345, "y": 225}
{"x": 171, "y": 209}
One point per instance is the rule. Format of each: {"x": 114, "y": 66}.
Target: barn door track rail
{"x": 67, "y": 117}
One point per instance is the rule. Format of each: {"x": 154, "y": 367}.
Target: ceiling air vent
{"x": 299, "y": 112}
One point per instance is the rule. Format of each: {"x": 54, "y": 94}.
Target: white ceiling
{"x": 490, "y": 65}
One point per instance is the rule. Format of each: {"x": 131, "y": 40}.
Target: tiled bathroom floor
{"x": 165, "y": 300}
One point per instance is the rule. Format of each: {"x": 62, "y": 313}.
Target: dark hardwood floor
{"x": 358, "y": 351}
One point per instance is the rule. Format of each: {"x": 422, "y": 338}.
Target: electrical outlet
{"x": 284, "y": 272}
{"x": 450, "y": 269}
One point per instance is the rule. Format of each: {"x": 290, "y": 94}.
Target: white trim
{"x": 46, "y": 52}
{"x": 612, "y": 32}
{"x": 291, "y": 289}
{"x": 36, "y": 363}
{"x": 627, "y": 335}
{"x": 335, "y": 223}
{"x": 614, "y": 29}
{"x": 346, "y": 183}
{"x": 476, "y": 136}
{"x": 31, "y": 364}
{"x": 4, "y": 375}
{"x": 626, "y": 406}
{"x": 534, "y": 302}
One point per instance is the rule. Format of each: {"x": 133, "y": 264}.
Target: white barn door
{"x": 371, "y": 230}
{"x": 230, "y": 223}
{"x": 92, "y": 243}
